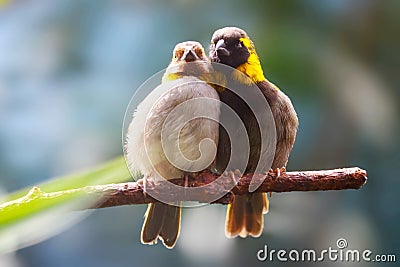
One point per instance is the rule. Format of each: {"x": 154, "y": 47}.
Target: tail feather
{"x": 170, "y": 230}
{"x": 245, "y": 215}
{"x": 153, "y": 222}
{"x": 235, "y": 216}
{"x": 161, "y": 221}
{"x": 265, "y": 203}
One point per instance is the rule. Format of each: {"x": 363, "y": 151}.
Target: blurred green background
{"x": 69, "y": 68}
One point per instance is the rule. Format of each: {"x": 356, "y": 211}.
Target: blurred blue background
{"x": 69, "y": 68}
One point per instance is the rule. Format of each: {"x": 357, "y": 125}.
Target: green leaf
{"x": 113, "y": 171}
{"x": 20, "y": 210}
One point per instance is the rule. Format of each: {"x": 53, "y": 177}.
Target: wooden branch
{"x": 337, "y": 179}
{"x": 131, "y": 193}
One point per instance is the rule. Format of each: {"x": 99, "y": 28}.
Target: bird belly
{"x": 161, "y": 143}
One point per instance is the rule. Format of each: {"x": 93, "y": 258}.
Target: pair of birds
{"x": 144, "y": 148}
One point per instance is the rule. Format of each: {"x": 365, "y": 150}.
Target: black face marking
{"x": 231, "y": 50}
{"x": 235, "y": 55}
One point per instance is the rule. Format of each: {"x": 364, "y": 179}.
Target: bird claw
{"x": 214, "y": 171}
{"x": 230, "y": 176}
{"x": 144, "y": 183}
{"x": 276, "y": 173}
{"x": 185, "y": 180}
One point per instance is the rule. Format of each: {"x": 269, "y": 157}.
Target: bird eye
{"x": 239, "y": 44}
{"x": 199, "y": 52}
{"x": 178, "y": 54}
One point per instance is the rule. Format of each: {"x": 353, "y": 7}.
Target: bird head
{"x": 232, "y": 46}
{"x": 188, "y": 51}
{"x": 188, "y": 59}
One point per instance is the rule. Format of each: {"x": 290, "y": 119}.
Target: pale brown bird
{"x": 179, "y": 152}
{"x": 232, "y": 46}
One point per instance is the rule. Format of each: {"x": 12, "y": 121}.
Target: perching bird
{"x": 232, "y": 46}
{"x": 162, "y": 112}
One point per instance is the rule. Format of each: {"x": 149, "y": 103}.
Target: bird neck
{"x": 171, "y": 77}
{"x": 252, "y": 71}
{"x": 215, "y": 79}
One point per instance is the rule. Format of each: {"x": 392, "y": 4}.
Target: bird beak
{"x": 220, "y": 48}
{"x": 189, "y": 55}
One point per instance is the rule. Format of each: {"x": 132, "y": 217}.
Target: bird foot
{"x": 275, "y": 173}
{"x": 231, "y": 176}
{"x": 145, "y": 183}
{"x": 185, "y": 180}
{"x": 214, "y": 171}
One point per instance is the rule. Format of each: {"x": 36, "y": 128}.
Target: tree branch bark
{"x": 132, "y": 193}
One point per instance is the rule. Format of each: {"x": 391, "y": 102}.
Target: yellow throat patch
{"x": 252, "y": 69}
{"x": 215, "y": 79}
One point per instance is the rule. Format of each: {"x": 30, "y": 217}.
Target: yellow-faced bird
{"x": 232, "y": 46}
